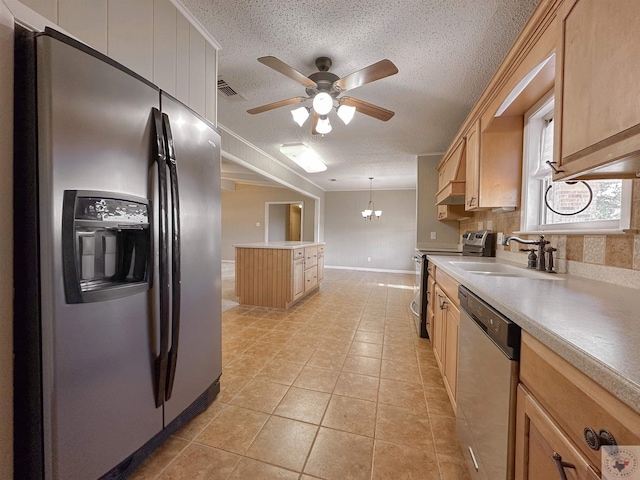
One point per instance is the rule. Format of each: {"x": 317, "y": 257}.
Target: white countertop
{"x": 283, "y": 245}
{"x": 594, "y": 325}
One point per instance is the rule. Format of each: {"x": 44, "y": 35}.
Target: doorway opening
{"x": 283, "y": 221}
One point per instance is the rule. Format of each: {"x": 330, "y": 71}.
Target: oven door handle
{"x": 412, "y": 307}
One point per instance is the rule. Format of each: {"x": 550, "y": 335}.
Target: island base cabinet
{"x": 275, "y": 277}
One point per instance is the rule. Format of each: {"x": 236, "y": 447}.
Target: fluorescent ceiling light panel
{"x": 303, "y": 156}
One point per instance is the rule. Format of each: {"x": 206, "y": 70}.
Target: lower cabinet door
{"x": 310, "y": 278}
{"x": 543, "y": 452}
{"x": 298, "y": 278}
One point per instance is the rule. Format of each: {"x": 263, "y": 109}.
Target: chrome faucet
{"x": 542, "y": 250}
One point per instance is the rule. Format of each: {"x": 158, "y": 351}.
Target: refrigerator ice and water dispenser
{"x": 106, "y": 245}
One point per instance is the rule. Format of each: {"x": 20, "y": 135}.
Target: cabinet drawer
{"x": 298, "y": 253}
{"x": 574, "y": 400}
{"x": 448, "y": 286}
{"x": 310, "y": 256}
{"x": 310, "y": 278}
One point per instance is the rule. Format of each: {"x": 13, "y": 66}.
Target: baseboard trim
{"x": 362, "y": 269}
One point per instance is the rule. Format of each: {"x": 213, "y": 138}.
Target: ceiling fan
{"x": 323, "y": 87}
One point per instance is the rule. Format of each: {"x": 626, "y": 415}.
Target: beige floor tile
{"x": 399, "y": 354}
{"x": 362, "y": 349}
{"x": 315, "y": 378}
{"x": 446, "y": 441}
{"x": 199, "y": 462}
{"x": 333, "y": 345}
{"x": 404, "y": 426}
{"x": 402, "y": 394}
{"x": 357, "y": 386}
{"x": 369, "y": 326}
{"x": 304, "y": 405}
{"x": 453, "y": 468}
{"x": 327, "y": 359}
{"x": 398, "y": 462}
{"x": 230, "y": 385}
{"x": 368, "y": 337}
{"x": 340, "y": 455}
{"x": 283, "y": 442}
{"x": 438, "y": 402}
{"x": 233, "y": 429}
{"x": 195, "y": 426}
{"x": 280, "y": 371}
{"x": 159, "y": 459}
{"x": 404, "y": 372}
{"x": 249, "y": 469}
{"x": 351, "y": 415}
{"x": 259, "y": 394}
{"x": 362, "y": 365}
{"x": 296, "y": 354}
{"x": 264, "y": 350}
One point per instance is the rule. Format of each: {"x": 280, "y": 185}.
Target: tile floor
{"x": 339, "y": 387}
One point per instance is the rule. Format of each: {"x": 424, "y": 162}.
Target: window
{"x": 593, "y": 206}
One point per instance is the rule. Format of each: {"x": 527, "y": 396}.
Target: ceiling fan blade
{"x": 368, "y": 108}
{"x": 316, "y": 117}
{"x": 281, "y": 67}
{"x": 271, "y": 106}
{"x": 383, "y": 68}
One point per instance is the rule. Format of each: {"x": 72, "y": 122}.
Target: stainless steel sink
{"x": 504, "y": 270}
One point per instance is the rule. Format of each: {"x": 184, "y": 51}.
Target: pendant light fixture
{"x": 370, "y": 213}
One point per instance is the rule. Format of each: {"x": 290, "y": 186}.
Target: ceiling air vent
{"x": 228, "y": 92}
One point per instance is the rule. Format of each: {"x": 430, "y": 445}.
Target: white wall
{"x": 243, "y": 207}
{"x": 6, "y": 243}
{"x": 390, "y": 241}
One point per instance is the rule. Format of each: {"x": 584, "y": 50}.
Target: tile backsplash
{"x": 621, "y": 251}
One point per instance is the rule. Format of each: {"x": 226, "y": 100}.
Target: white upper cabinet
{"x": 130, "y": 35}
{"x": 165, "y": 20}
{"x": 87, "y": 21}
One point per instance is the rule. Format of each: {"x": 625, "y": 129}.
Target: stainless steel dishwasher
{"x": 489, "y": 350}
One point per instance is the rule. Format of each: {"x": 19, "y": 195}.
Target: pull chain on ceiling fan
{"x": 324, "y": 87}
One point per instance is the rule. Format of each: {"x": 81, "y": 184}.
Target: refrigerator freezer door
{"x": 199, "y": 359}
{"x": 94, "y": 133}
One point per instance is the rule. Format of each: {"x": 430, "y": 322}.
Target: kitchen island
{"x": 278, "y": 274}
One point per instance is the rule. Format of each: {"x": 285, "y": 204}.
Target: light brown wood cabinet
{"x": 276, "y": 277}
{"x": 445, "y": 331}
{"x": 320, "y": 263}
{"x": 556, "y": 402}
{"x": 494, "y": 163}
{"x": 542, "y": 445}
{"x": 451, "y": 212}
{"x": 451, "y": 176}
{"x": 597, "y": 119}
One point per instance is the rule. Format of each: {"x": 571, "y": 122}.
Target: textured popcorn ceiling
{"x": 446, "y": 52}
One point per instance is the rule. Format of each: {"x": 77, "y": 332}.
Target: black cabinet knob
{"x": 597, "y": 440}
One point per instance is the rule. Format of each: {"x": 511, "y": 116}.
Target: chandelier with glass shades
{"x": 324, "y": 88}
{"x": 370, "y": 213}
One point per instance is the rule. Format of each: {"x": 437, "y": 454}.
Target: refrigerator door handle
{"x": 160, "y": 365}
{"x": 175, "y": 256}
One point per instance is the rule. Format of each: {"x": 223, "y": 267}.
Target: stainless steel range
{"x": 481, "y": 243}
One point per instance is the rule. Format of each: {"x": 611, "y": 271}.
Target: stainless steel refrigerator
{"x": 117, "y": 238}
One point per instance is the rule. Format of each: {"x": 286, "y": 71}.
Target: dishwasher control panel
{"x": 504, "y": 333}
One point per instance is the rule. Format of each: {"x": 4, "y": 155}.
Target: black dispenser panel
{"x": 106, "y": 245}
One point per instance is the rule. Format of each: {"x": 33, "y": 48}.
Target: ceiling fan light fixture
{"x": 305, "y": 157}
{"x": 300, "y": 115}
{"x": 346, "y": 113}
{"x": 322, "y": 103}
{"x": 324, "y": 126}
